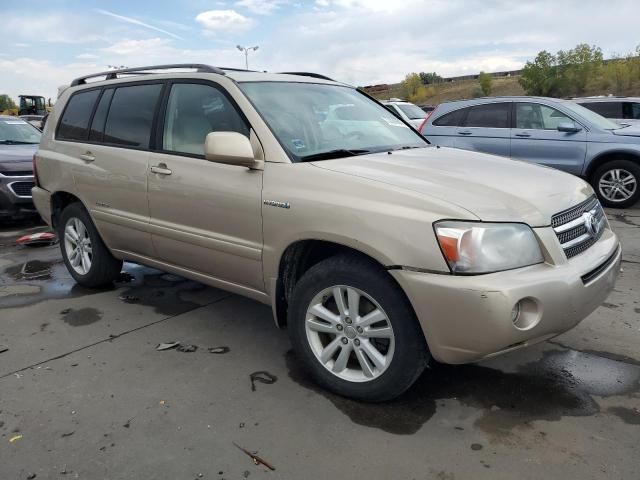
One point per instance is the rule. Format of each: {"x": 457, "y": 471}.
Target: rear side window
{"x": 632, "y": 110}
{"x": 74, "y": 124}
{"x": 99, "y": 118}
{"x": 451, "y": 119}
{"x": 491, "y": 115}
{"x": 606, "y": 109}
{"x": 130, "y": 117}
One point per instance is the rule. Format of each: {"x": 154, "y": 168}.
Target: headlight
{"x": 473, "y": 247}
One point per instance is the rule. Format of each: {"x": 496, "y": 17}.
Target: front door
{"x": 536, "y": 138}
{"x": 205, "y": 216}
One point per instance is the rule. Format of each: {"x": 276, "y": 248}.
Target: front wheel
{"x": 355, "y": 331}
{"x": 617, "y": 183}
{"x": 86, "y": 256}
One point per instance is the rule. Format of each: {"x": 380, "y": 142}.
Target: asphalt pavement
{"x": 85, "y": 394}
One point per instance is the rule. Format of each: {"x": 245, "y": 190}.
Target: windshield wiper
{"x": 338, "y": 153}
{"x": 17, "y": 142}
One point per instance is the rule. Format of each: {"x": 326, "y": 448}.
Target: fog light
{"x": 515, "y": 313}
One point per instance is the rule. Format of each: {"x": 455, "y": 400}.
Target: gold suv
{"x": 377, "y": 250}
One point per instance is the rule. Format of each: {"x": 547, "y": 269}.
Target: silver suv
{"x": 375, "y": 249}
{"x": 547, "y": 131}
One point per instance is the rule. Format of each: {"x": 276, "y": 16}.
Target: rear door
{"x": 486, "y": 128}
{"x": 205, "y": 216}
{"x": 536, "y": 138}
{"x": 112, "y": 161}
{"x": 443, "y": 129}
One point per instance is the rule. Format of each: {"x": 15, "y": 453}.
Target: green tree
{"x": 486, "y": 81}
{"x": 6, "y": 102}
{"x": 411, "y": 85}
{"x": 577, "y": 68}
{"x": 539, "y": 77}
{"x": 430, "y": 78}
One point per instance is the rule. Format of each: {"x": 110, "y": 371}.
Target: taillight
{"x": 35, "y": 171}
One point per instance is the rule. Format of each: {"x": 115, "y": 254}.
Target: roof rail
{"x": 309, "y": 74}
{"x": 113, "y": 74}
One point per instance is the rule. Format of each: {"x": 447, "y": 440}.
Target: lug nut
{"x": 339, "y": 327}
{"x": 344, "y": 340}
{"x": 348, "y": 320}
{"x": 357, "y": 342}
{"x": 359, "y": 329}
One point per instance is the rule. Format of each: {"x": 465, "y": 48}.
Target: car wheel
{"x": 87, "y": 258}
{"x": 617, "y": 183}
{"x": 355, "y": 331}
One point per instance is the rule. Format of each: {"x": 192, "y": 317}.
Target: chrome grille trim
{"x": 573, "y": 233}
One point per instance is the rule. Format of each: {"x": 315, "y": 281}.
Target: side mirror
{"x": 231, "y": 148}
{"x": 568, "y": 127}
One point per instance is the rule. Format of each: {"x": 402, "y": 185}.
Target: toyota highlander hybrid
{"x": 378, "y": 251}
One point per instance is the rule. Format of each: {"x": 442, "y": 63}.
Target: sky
{"x": 46, "y": 43}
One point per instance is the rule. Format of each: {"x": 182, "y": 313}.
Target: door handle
{"x": 464, "y": 132}
{"x": 87, "y": 157}
{"x": 161, "y": 169}
{"x": 523, "y": 134}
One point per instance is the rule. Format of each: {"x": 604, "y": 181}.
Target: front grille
{"x": 22, "y": 189}
{"x": 575, "y": 229}
{"x": 18, "y": 173}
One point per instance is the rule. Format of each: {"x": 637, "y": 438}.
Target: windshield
{"x": 593, "y": 117}
{"x": 412, "y": 111}
{"x": 314, "y": 121}
{"x": 14, "y": 132}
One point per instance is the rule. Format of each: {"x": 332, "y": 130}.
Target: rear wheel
{"x": 87, "y": 258}
{"x": 355, "y": 331}
{"x": 617, "y": 183}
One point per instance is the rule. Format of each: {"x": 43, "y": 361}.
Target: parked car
{"x": 410, "y": 113}
{"x": 18, "y": 142}
{"x": 375, "y": 249}
{"x": 623, "y": 110}
{"x": 35, "y": 120}
{"x": 546, "y": 131}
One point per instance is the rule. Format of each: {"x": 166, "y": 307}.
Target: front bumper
{"x": 468, "y": 318}
{"x": 15, "y": 197}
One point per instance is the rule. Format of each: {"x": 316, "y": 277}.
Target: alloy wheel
{"x": 77, "y": 245}
{"x": 349, "y": 333}
{"x": 617, "y": 185}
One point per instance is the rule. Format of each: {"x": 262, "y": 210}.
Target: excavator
{"x": 30, "y": 105}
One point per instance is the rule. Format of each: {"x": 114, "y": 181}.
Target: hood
{"x": 16, "y": 157}
{"x": 633, "y": 130}
{"x": 492, "y": 188}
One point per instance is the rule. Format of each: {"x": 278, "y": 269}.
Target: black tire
{"x": 626, "y": 165}
{"x": 104, "y": 268}
{"x": 411, "y": 353}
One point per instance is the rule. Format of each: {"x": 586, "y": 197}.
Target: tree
{"x": 540, "y": 76}
{"x": 430, "y": 78}
{"x": 577, "y": 68}
{"x": 411, "y": 85}
{"x": 485, "y": 83}
{"x": 6, "y": 102}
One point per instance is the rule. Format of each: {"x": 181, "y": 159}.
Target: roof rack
{"x": 113, "y": 74}
{"x": 309, "y": 74}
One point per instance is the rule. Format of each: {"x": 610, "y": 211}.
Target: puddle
{"x": 81, "y": 317}
{"x": 561, "y": 383}
{"x": 32, "y": 270}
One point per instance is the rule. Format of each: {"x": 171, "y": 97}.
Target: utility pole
{"x": 246, "y": 53}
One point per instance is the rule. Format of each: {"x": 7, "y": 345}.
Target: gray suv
{"x": 546, "y": 131}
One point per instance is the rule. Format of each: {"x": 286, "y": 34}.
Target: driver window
{"x": 534, "y": 116}
{"x": 193, "y": 111}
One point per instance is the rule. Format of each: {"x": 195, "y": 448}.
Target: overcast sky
{"x": 46, "y": 43}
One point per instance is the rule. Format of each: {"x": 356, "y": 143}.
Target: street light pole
{"x": 246, "y": 53}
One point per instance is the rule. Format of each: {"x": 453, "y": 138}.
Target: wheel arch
{"x": 60, "y": 200}
{"x": 604, "y": 157}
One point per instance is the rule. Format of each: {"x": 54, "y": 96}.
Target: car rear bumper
{"x": 468, "y": 318}
{"x": 42, "y": 202}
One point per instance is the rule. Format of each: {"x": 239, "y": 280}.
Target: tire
{"x": 615, "y": 172}
{"x": 406, "y": 353}
{"x": 102, "y": 267}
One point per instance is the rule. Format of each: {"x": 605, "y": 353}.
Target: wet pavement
{"x": 84, "y": 392}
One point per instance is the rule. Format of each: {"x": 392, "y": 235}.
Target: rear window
{"x": 491, "y": 115}
{"x": 606, "y": 109}
{"x": 451, "y": 119}
{"x": 74, "y": 124}
{"x": 131, "y": 114}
